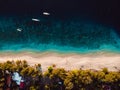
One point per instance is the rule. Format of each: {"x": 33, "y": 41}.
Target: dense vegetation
{"x": 59, "y": 78}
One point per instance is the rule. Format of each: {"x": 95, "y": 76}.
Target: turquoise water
{"x": 55, "y": 34}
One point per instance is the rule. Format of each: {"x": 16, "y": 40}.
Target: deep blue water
{"x": 74, "y": 34}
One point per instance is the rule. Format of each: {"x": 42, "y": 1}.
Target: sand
{"x": 69, "y": 61}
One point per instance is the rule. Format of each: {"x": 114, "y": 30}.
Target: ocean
{"x": 79, "y": 26}
{"x": 59, "y": 34}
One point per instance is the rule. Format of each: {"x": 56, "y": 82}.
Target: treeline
{"x": 55, "y": 78}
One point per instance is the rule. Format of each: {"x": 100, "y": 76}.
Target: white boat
{"x": 46, "y": 13}
{"x": 19, "y": 29}
{"x": 36, "y": 20}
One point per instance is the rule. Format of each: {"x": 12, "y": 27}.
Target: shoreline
{"x": 69, "y": 61}
{"x": 89, "y": 52}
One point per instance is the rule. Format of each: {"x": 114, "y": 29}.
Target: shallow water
{"x": 75, "y": 34}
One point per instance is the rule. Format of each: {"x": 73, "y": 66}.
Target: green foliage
{"x": 70, "y": 80}
{"x": 47, "y": 87}
{"x": 24, "y": 63}
{"x": 105, "y": 70}
{"x": 79, "y": 79}
{"x": 60, "y": 73}
{"x": 2, "y": 82}
{"x": 111, "y": 77}
{"x": 32, "y": 88}
{"x": 50, "y": 69}
{"x": 69, "y": 85}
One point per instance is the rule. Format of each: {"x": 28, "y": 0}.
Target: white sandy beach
{"x": 95, "y": 61}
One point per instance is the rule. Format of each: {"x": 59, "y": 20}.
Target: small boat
{"x": 19, "y": 29}
{"x": 36, "y": 20}
{"x": 46, "y": 13}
